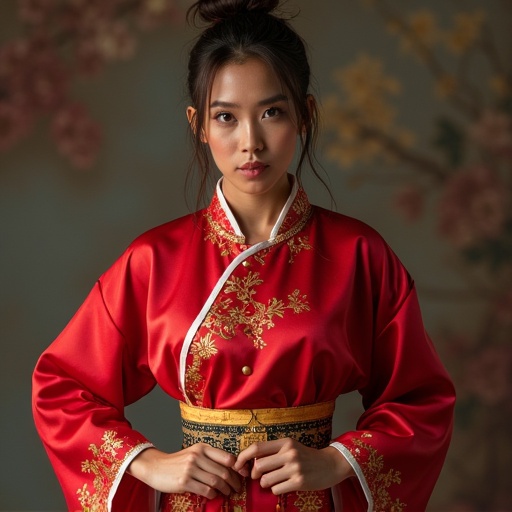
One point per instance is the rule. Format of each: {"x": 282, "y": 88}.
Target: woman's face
{"x": 251, "y": 130}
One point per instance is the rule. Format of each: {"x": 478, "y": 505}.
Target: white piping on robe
{"x": 229, "y": 270}
{"x": 227, "y": 210}
{"x": 115, "y": 484}
{"x": 358, "y": 471}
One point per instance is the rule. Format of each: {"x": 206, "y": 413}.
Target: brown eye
{"x": 224, "y": 117}
{"x": 272, "y": 112}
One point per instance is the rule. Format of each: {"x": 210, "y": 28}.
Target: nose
{"x": 251, "y": 137}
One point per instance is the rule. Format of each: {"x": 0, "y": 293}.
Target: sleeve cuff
{"x": 357, "y": 470}
{"x": 127, "y": 460}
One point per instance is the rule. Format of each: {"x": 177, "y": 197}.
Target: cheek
{"x": 220, "y": 146}
{"x": 286, "y": 140}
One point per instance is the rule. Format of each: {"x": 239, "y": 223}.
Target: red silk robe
{"x": 322, "y": 308}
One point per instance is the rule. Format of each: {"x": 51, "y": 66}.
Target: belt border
{"x": 269, "y": 416}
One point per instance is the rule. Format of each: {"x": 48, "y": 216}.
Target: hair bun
{"x": 214, "y": 11}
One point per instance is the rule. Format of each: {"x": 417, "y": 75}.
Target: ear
{"x": 192, "y": 119}
{"x": 311, "y": 102}
{"x": 312, "y": 106}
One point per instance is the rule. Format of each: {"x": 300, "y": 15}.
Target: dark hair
{"x": 238, "y": 30}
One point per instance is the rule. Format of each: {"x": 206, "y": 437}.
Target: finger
{"x": 278, "y": 476}
{"x": 245, "y": 470}
{"x": 273, "y": 455}
{"x": 213, "y": 481}
{"x": 199, "y": 488}
{"x": 262, "y": 465}
{"x": 220, "y": 473}
{"x": 284, "y": 487}
{"x": 220, "y": 456}
{"x": 257, "y": 450}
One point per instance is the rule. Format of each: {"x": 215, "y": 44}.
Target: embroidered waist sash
{"x": 233, "y": 430}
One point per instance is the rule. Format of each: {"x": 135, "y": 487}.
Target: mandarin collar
{"x": 292, "y": 218}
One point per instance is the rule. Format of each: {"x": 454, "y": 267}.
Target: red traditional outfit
{"x": 322, "y": 308}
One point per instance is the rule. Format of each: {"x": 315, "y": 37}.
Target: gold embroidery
{"x": 239, "y": 499}
{"x": 180, "y": 502}
{"x": 220, "y": 232}
{"x": 105, "y": 466}
{"x": 294, "y": 230}
{"x": 309, "y": 501}
{"x": 205, "y": 347}
{"x": 217, "y": 235}
{"x": 301, "y": 204}
{"x": 201, "y": 349}
{"x": 188, "y": 502}
{"x": 378, "y": 479}
{"x": 227, "y": 314}
{"x": 260, "y": 256}
{"x": 297, "y": 247}
{"x": 253, "y": 316}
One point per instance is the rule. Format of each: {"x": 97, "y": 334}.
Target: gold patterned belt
{"x": 233, "y": 430}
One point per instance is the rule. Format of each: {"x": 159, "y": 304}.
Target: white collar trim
{"x": 280, "y": 219}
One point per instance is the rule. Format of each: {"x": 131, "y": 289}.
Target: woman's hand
{"x": 285, "y": 465}
{"x": 199, "y": 469}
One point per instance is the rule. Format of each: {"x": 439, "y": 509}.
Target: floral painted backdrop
{"x": 462, "y": 176}
{"x": 63, "y": 42}
{"x": 456, "y": 172}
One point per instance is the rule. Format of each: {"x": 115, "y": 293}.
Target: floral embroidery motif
{"x": 201, "y": 349}
{"x": 180, "y": 502}
{"x": 220, "y": 232}
{"x": 228, "y": 243}
{"x": 301, "y": 204}
{"x": 204, "y": 347}
{"x": 296, "y": 247}
{"x": 228, "y": 314}
{"x": 105, "y": 466}
{"x": 308, "y": 501}
{"x": 253, "y": 316}
{"x": 379, "y": 480}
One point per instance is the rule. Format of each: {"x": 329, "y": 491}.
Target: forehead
{"x": 245, "y": 82}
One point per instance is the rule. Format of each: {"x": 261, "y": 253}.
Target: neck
{"x": 257, "y": 215}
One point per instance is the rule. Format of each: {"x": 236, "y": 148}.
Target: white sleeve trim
{"x": 358, "y": 471}
{"x": 129, "y": 457}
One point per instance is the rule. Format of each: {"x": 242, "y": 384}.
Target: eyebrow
{"x": 266, "y": 101}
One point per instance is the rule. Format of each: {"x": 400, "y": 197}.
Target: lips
{"x": 252, "y": 169}
{"x": 253, "y": 166}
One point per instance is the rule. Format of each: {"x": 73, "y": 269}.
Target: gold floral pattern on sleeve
{"x": 105, "y": 466}
{"x": 378, "y": 478}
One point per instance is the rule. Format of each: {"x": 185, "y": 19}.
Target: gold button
{"x": 247, "y": 370}
{"x": 246, "y": 263}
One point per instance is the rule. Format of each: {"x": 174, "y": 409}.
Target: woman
{"x": 256, "y": 313}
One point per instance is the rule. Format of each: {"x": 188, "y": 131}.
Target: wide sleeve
{"x": 81, "y": 385}
{"x": 401, "y": 440}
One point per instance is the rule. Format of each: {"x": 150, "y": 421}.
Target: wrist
{"x": 139, "y": 467}
{"x": 340, "y": 466}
